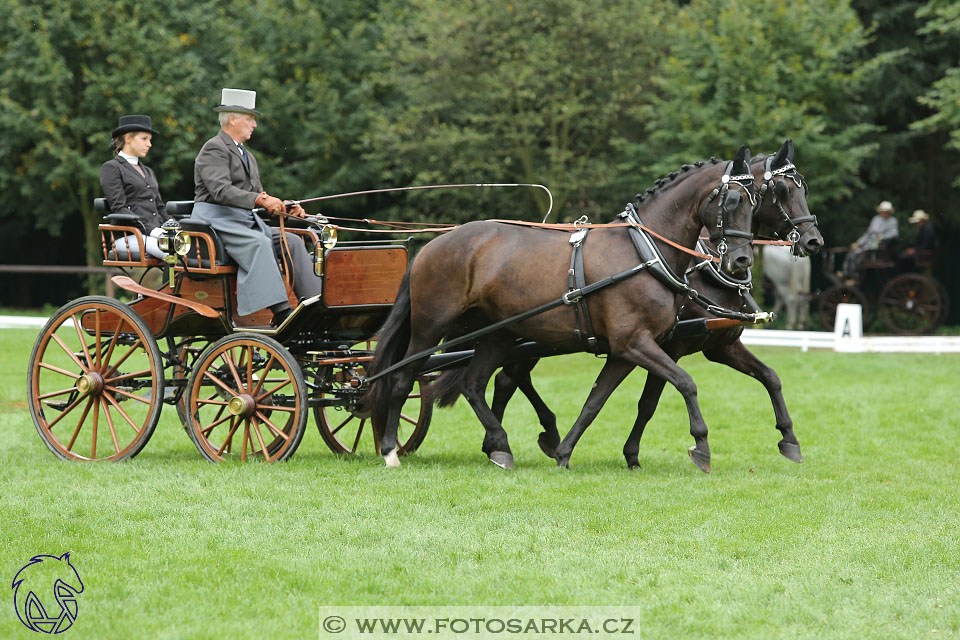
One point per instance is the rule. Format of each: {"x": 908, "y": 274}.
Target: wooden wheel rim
{"x": 95, "y": 383}
{"x": 343, "y": 430}
{"x": 246, "y": 400}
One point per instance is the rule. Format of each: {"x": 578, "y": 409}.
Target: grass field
{"x": 860, "y": 541}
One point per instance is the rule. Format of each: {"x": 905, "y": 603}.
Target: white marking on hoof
{"x": 392, "y": 459}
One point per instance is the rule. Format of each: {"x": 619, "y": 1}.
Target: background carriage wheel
{"x": 911, "y": 304}
{"x": 841, "y": 293}
{"x": 246, "y": 399}
{"x": 95, "y": 385}
{"x": 343, "y": 429}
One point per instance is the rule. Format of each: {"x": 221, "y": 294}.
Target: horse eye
{"x": 782, "y": 190}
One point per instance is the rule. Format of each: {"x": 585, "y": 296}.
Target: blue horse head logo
{"x": 45, "y": 593}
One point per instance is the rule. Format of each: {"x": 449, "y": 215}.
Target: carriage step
{"x": 58, "y": 405}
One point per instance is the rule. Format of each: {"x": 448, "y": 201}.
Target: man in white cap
{"x": 882, "y": 233}
{"x": 227, "y": 188}
{"x": 923, "y": 247}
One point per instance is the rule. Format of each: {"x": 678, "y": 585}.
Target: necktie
{"x": 243, "y": 154}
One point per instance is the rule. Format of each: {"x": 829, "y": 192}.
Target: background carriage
{"x": 101, "y": 370}
{"x": 907, "y": 303}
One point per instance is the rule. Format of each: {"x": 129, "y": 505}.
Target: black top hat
{"x": 133, "y": 123}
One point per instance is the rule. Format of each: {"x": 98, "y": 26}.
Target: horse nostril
{"x": 743, "y": 262}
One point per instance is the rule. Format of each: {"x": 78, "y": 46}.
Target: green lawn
{"x": 860, "y": 541}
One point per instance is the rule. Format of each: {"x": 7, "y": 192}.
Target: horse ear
{"x": 740, "y": 159}
{"x": 783, "y": 155}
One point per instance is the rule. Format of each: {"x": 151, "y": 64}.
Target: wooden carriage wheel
{"x": 246, "y": 399}
{"x": 911, "y": 304}
{"x": 841, "y": 293}
{"x": 95, "y": 385}
{"x": 343, "y": 429}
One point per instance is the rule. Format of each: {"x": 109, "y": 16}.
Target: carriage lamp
{"x": 328, "y": 240}
{"x": 173, "y": 242}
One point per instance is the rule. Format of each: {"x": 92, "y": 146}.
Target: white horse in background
{"x": 790, "y": 277}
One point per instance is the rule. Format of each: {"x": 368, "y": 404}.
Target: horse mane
{"x": 662, "y": 184}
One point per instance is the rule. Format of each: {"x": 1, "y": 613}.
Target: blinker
{"x": 731, "y": 201}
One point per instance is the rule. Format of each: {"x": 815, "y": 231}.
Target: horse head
{"x": 782, "y": 204}
{"x": 727, "y": 214}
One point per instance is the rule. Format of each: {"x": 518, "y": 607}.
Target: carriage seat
{"x": 200, "y": 250}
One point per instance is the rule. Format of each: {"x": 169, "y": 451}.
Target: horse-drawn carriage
{"x": 101, "y": 370}
{"x": 907, "y": 303}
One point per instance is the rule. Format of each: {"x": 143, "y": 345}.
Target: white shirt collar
{"x": 134, "y": 160}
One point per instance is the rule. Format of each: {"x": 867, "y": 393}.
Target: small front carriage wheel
{"x": 246, "y": 399}
{"x": 95, "y": 384}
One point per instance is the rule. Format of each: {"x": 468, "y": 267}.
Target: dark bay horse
{"x": 781, "y": 208}
{"x": 486, "y": 272}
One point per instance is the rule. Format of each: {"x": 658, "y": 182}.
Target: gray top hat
{"x": 238, "y": 101}
{"x": 128, "y": 124}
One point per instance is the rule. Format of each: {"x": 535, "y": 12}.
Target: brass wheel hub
{"x": 242, "y": 405}
{"x": 90, "y": 384}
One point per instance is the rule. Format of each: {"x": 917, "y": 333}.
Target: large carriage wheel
{"x": 841, "y": 293}
{"x": 246, "y": 399}
{"x": 911, "y": 304}
{"x": 342, "y": 429}
{"x": 95, "y": 384}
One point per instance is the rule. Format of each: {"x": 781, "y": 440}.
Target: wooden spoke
{"x": 113, "y": 341}
{"x": 96, "y": 415}
{"x": 273, "y": 407}
{"x": 259, "y": 386}
{"x": 56, "y": 393}
{"x": 356, "y": 441}
{"x": 234, "y": 421}
{"x": 272, "y": 426}
{"x": 218, "y": 382}
{"x": 117, "y": 406}
{"x": 217, "y": 421}
{"x": 342, "y": 424}
{"x": 97, "y": 322}
{"x": 73, "y": 357}
{"x": 59, "y": 370}
{"x": 125, "y": 376}
{"x": 76, "y": 431}
{"x": 132, "y": 350}
{"x": 263, "y": 446}
{"x": 132, "y": 396}
{"x": 212, "y": 401}
{"x": 69, "y": 408}
{"x": 113, "y": 431}
{"x": 228, "y": 358}
{"x": 274, "y": 390}
{"x": 407, "y": 418}
{"x": 83, "y": 342}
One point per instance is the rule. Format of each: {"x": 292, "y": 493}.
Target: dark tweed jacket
{"x": 220, "y": 175}
{"x": 129, "y": 192}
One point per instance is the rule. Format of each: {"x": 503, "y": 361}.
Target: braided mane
{"x": 668, "y": 181}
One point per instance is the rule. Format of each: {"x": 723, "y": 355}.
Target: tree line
{"x": 595, "y": 100}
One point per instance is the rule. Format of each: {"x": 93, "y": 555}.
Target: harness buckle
{"x": 572, "y": 297}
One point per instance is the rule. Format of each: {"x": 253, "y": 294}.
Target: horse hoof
{"x": 790, "y": 451}
{"x": 392, "y": 459}
{"x": 502, "y": 459}
{"x": 633, "y": 464}
{"x": 702, "y": 460}
{"x": 548, "y": 444}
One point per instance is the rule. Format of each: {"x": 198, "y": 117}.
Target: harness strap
{"x": 583, "y": 327}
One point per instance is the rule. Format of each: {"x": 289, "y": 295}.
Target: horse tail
{"x": 447, "y": 387}
{"x": 393, "y": 339}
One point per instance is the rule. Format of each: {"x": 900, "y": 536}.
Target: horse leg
{"x": 737, "y": 356}
{"x": 517, "y": 375}
{"x": 649, "y": 399}
{"x": 647, "y": 354}
{"x": 612, "y": 374}
{"x": 489, "y": 355}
